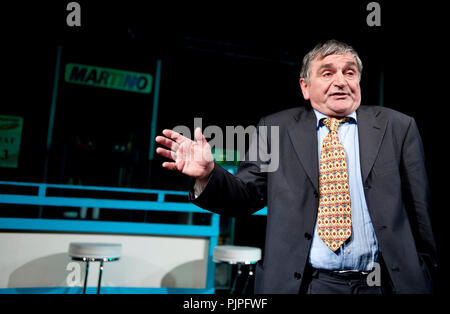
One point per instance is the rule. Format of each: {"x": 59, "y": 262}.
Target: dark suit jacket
{"x": 395, "y": 186}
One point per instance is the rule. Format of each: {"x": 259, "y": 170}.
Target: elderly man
{"x": 349, "y": 198}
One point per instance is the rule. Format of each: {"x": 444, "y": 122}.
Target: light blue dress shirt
{"x": 361, "y": 249}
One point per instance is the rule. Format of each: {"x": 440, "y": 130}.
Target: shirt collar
{"x": 320, "y": 116}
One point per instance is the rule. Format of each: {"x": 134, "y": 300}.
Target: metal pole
{"x": 155, "y": 109}
{"x": 51, "y": 118}
{"x": 100, "y": 277}
{"x": 238, "y": 275}
{"x": 86, "y": 277}
{"x": 249, "y": 277}
{"x": 151, "y": 152}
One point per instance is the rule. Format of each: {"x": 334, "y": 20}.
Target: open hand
{"x": 193, "y": 158}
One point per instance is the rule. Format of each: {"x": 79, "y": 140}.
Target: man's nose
{"x": 339, "y": 80}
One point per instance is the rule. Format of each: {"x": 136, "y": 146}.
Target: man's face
{"x": 333, "y": 87}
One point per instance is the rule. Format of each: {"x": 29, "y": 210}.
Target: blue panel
{"x": 262, "y": 212}
{"x": 105, "y": 290}
{"x": 100, "y": 203}
{"x": 95, "y": 188}
{"x": 108, "y": 227}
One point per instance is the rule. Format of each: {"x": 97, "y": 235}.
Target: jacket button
{"x": 316, "y": 195}
{"x": 308, "y": 236}
{"x": 297, "y": 275}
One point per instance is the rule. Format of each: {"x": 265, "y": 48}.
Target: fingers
{"x": 177, "y": 137}
{"x": 169, "y": 165}
{"x": 180, "y": 148}
{"x": 167, "y": 142}
{"x": 166, "y": 153}
{"x": 199, "y": 136}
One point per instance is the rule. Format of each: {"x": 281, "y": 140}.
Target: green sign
{"x": 225, "y": 156}
{"x": 108, "y": 78}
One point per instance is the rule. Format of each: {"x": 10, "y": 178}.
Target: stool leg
{"x": 249, "y": 275}
{"x": 239, "y": 272}
{"x": 100, "y": 277}
{"x": 86, "y": 277}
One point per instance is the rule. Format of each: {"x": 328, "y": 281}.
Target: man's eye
{"x": 327, "y": 74}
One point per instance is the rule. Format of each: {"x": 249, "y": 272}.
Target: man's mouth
{"x": 339, "y": 95}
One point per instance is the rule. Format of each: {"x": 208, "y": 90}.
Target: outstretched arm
{"x": 223, "y": 192}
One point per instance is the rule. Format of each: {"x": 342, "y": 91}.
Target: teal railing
{"x": 40, "y": 197}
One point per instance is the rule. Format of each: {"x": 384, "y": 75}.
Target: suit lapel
{"x": 303, "y": 135}
{"x": 371, "y": 130}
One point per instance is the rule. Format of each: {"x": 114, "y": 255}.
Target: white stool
{"x": 240, "y": 256}
{"x": 94, "y": 252}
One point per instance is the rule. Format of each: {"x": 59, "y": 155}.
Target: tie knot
{"x": 333, "y": 123}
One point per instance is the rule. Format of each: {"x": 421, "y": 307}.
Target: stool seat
{"x": 236, "y": 254}
{"x": 95, "y": 251}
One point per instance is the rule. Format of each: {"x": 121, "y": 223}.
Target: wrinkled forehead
{"x": 334, "y": 60}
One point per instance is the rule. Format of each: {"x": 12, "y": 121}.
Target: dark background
{"x": 229, "y": 63}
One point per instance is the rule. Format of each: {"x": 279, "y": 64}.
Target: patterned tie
{"x": 334, "y": 213}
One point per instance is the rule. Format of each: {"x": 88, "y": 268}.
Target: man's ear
{"x": 304, "y": 87}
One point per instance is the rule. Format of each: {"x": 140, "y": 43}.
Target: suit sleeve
{"x": 242, "y": 194}
{"x": 417, "y": 194}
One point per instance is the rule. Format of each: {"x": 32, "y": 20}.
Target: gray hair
{"x": 330, "y": 47}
